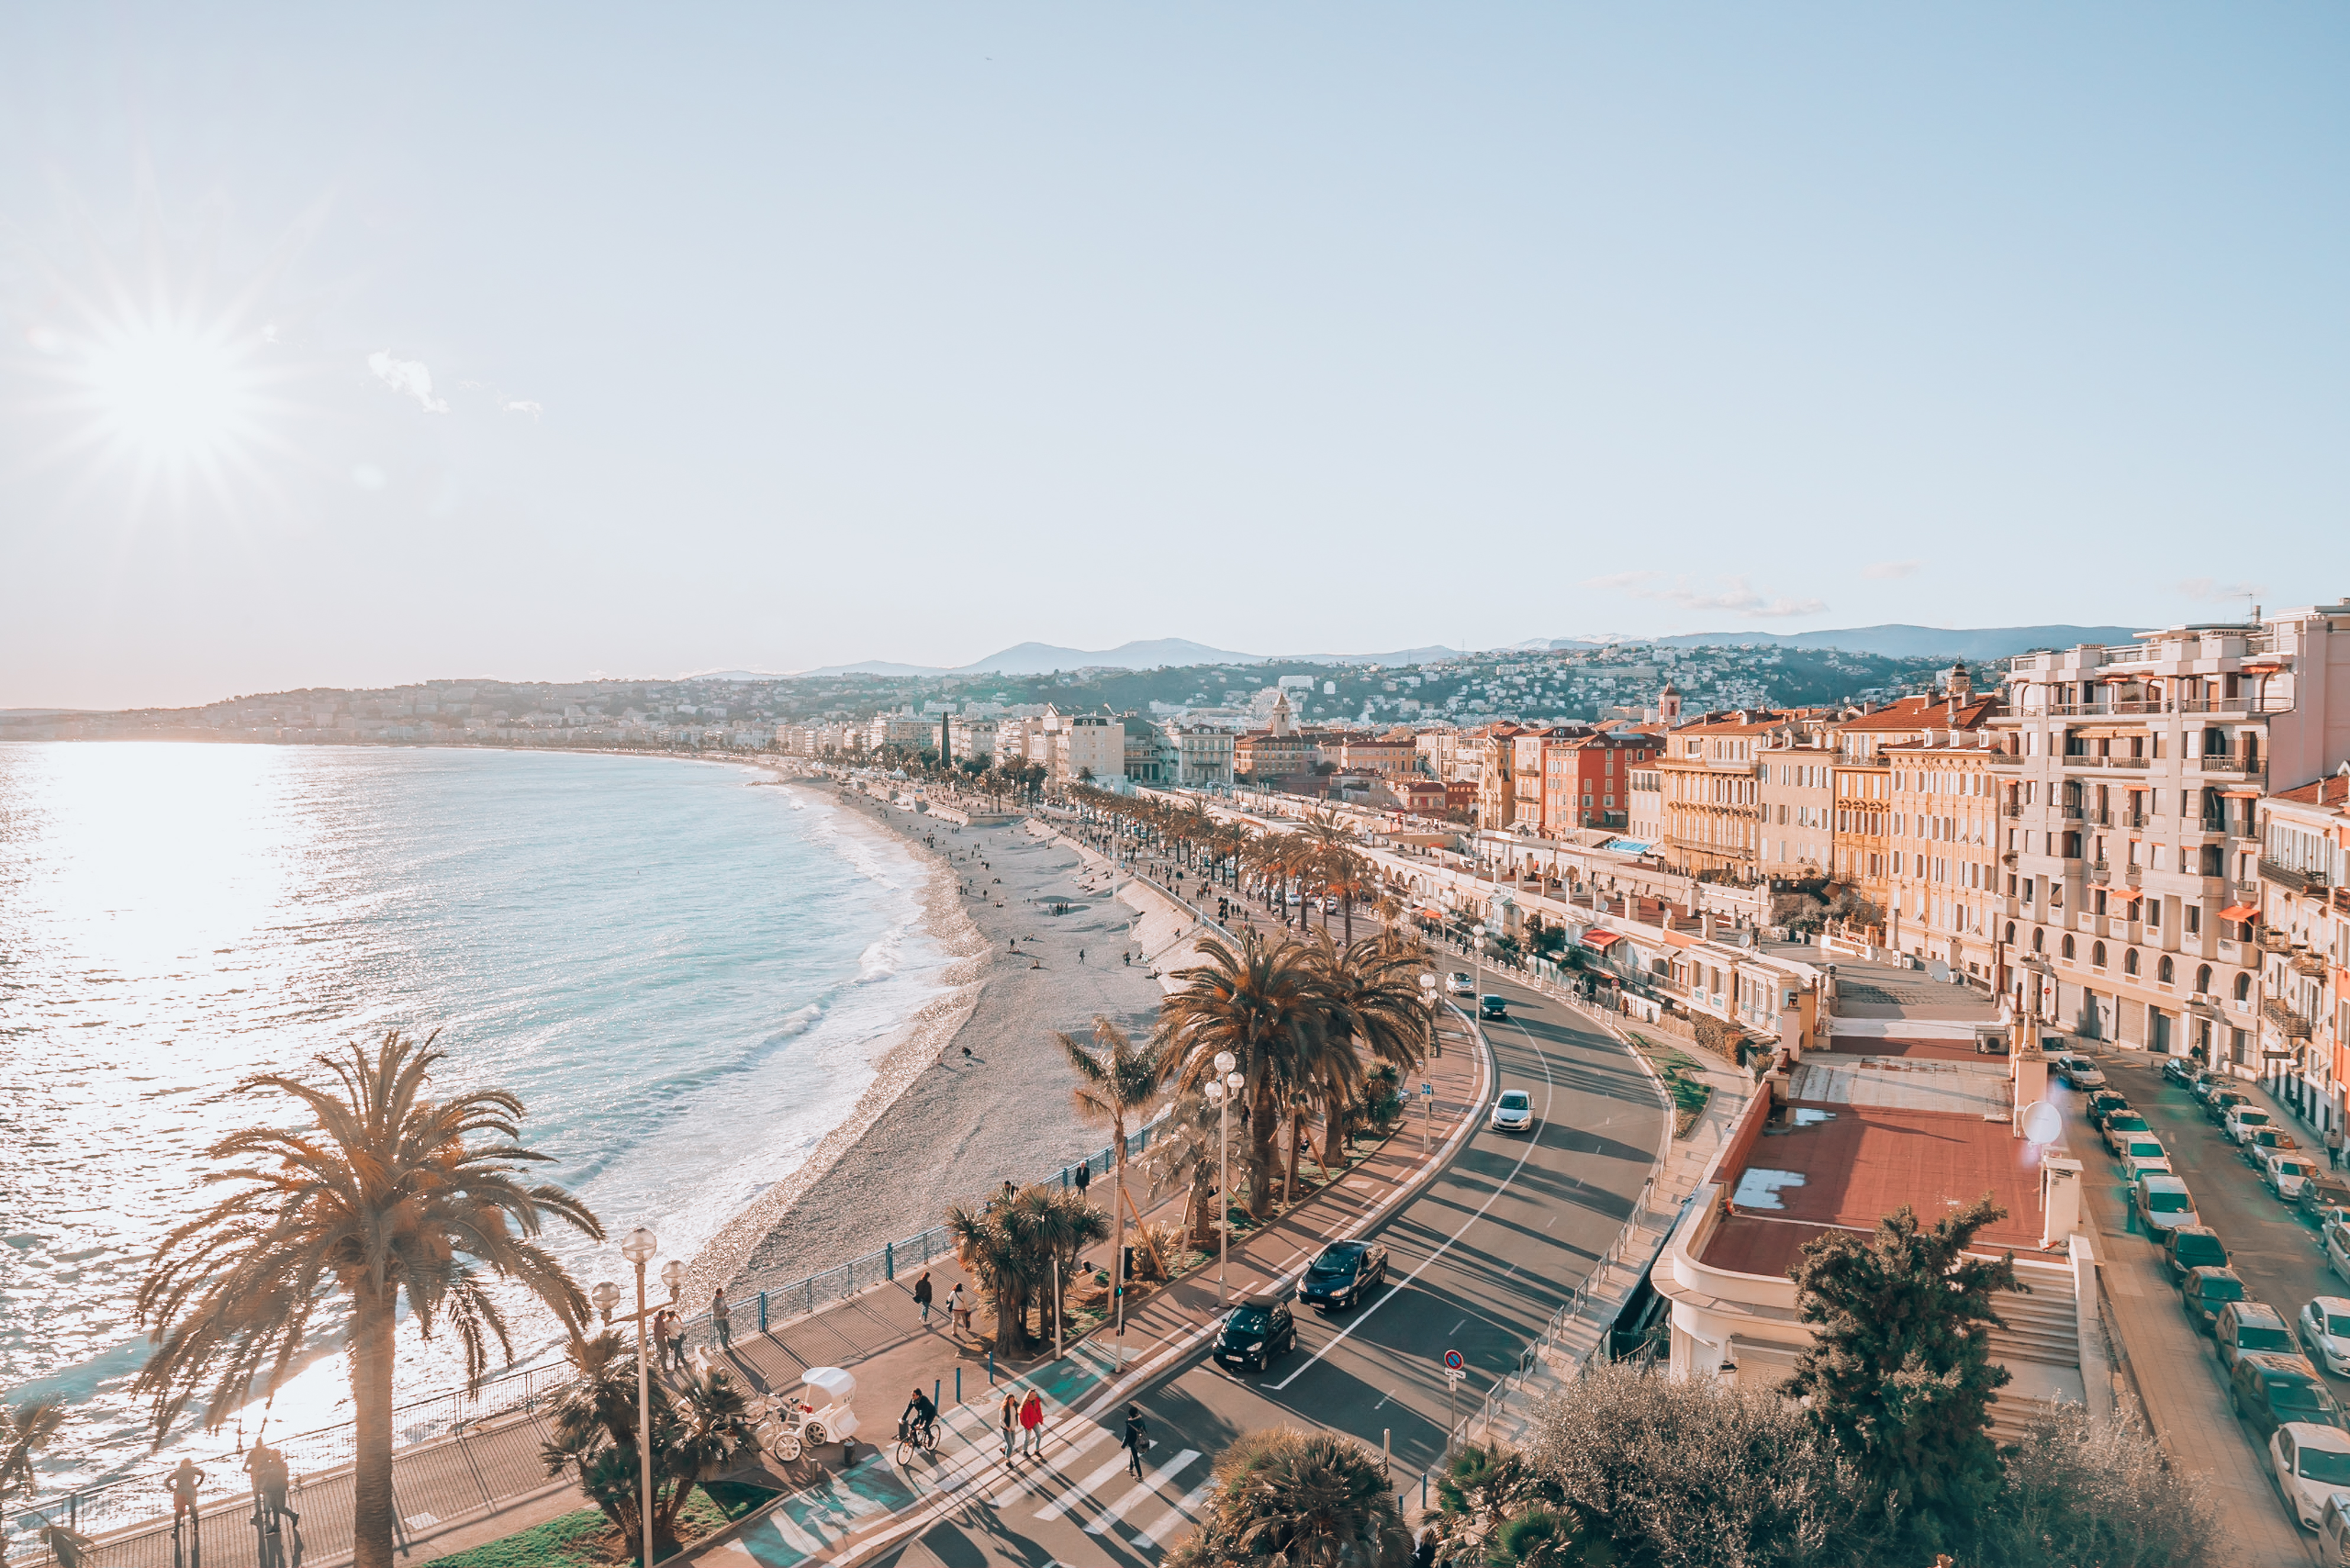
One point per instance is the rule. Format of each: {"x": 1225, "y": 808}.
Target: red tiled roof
{"x": 2333, "y": 792}
{"x": 1924, "y": 713}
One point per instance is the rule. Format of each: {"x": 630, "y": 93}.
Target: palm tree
{"x": 1299, "y": 1500}
{"x": 698, "y": 1433}
{"x": 1268, "y": 1003}
{"x": 1008, "y": 1247}
{"x": 26, "y": 1429}
{"x": 1185, "y": 1151}
{"x": 1060, "y": 1225}
{"x": 1117, "y": 1080}
{"x": 381, "y": 1197}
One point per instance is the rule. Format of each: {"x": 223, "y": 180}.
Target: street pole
{"x": 1057, "y": 1350}
{"x": 638, "y": 1247}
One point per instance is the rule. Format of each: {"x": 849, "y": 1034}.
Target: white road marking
{"x": 1060, "y": 1504}
{"x": 1013, "y": 1493}
{"x": 1391, "y": 1393}
{"x": 1455, "y": 1328}
{"x": 1148, "y": 1486}
{"x": 1176, "y": 1515}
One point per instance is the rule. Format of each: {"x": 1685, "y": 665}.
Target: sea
{"x": 683, "y": 968}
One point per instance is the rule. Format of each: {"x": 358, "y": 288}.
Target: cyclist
{"x": 921, "y": 1418}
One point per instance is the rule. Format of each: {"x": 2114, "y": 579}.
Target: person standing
{"x": 1135, "y": 1442}
{"x": 185, "y": 1482}
{"x": 923, "y": 1296}
{"x": 958, "y": 1310}
{"x": 721, "y": 1322}
{"x": 1085, "y": 1176}
{"x": 677, "y": 1338}
{"x": 1032, "y": 1424}
{"x": 2334, "y": 1146}
{"x": 1011, "y": 1425}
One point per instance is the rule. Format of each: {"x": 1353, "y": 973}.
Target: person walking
{"x": 1011, "y": 1415}
{"x": 2334, "y": 1146}
{"x": 923, "y": 1296}
{"x": 1032, "y": 1424}
{"x": 665, "y": 1356}
{"x": 721, "y": 1324}
{"x": 1135, "y": 1442}
{"x": 958, "y": 1310}
{"x": 1085, "y": 1176}
{"x": 677, "y": 1338}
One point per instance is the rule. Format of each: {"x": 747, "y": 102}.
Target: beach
{"x": 975, "y": 1091}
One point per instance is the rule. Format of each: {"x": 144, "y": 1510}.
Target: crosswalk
{"x": 1086, "y": 1479}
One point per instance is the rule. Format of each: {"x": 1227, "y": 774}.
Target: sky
{"x": 346, "y": 347}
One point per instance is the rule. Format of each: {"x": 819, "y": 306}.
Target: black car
{"x": 1256, "y": 1332}
{"x": 2269, "y": 1389}
{"x": 2179, "y": 1070}
{"x": 1343, "y": 1274}
{"x": 2206, "y": 1293}
{"x": 2217, "y": 1103}
{"x": 1493, "y": 1006}
{"x": 2102, "y": 1103}
{"x": 2192, "y": 1247}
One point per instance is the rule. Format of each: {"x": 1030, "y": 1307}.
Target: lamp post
{"x": 1428, "y": 994}
{"x": 1481, "y": 930}
{"x": 638, "y": 1247}
{"x": 1220, "y": 1090}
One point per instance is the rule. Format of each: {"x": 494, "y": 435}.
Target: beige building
{"x": 1942, "y": 868}
{"x": 2305, "y": 986}
{"x": 1797, "y": 794}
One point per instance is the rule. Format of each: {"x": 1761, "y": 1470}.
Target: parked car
{"x": 2220, "y": 1101}
{"x": 2334, "y": 1531}
{"x": 2240, "y": 1121}
{"x": 2322, "y": 1192}
{"x": 2337, "y": 1247}
{"x": 2192, "y": 1247}
{"x": 2208, "y": 1292}
{"x": 2104, "y": 1103}
{"x": 2081, "y": 1072}
{"x": 1459, "y": 984}
{"x": 1254, "y": 1333}
{"x": 2142, "y": 1154}
{"x": 2260, "y": 1142}
{"x": 2324, "y": 1329}
{"x": 2163, "y": 1205}
{"x": 1492, "y": 1005}
{"x": 2179, "y": 1070}
{"x": 2121, "y": 1123}
{"x": 1513, "y": 1112}
{"x": 2284, "y": 1172}
{"x": 2205, "y": 1083}
{"x": 2244, "y": 1326}
{"x": 1343, "y": 1274}
{"x": 2311, "y": 1463}
{"x": 2269, "y": 1390}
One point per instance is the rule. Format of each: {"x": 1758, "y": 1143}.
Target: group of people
{"x": 1024, "y": 1426}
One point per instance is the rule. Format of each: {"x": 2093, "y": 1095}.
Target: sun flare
{"x": 171, "y": 393}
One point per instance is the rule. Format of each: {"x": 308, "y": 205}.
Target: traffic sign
{"x": 1452, "y": 1360}
{"x": 1427, "y": 1089}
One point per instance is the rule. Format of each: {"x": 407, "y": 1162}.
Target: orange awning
{"x": 2126, "y": 895}
{"x": 2239, "y": 794}
{"x": 1600, "y": 941}
{"x": 2241, "y": 912}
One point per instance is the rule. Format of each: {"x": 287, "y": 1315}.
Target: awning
{"x": 2126, "y": 895}
{"x": 2239, "y": 794}
{"x": 1600, "y": 941}
{"x": 2241, "y": 912}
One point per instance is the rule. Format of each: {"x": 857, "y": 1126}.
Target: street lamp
{"x": 638, "y": 1247}
{"x": 1481, "y": 932}
{"x": 1220, "y": 1090}
{"x": 1428, "y": 994}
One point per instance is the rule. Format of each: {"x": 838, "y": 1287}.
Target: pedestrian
{"x": 1011, "y": 1427}
{"x": 185, "y": 1482}
{"x": 1081, "y": 955}
{"x": 2334, "y": 1146}
{"x": 1127, "y": 958}
{"x": 677, "y": 1338}
{"x": 1085, "y": 1176}
{"x": 1032, "y": 1424}
{"x": 1010, "y": 1191}
{"x": 662, "y": 1354}
{"x": 721, "y": 1324}
{"x": 958, "y": 1310}
{"x": 1136, "y": 1444}
{"x": 922, "y": 1294}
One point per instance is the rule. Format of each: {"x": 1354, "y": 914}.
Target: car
{"x": 2163, "y": 1205}
{"x": 1491, "y": 1006}
{"x": 2081, "y": 1072}
{"x": 2324, "y": 1329}
{"x": 2208, "y": 1292}
{"x": 1255, "y": 1333}
{"x": 2179, "y": 1070}
{"x": 2322, "y": 1192}
{"x": 2142, "y": 1154}
{"x": 2240, "y": 1121}
{"x": 2284, "y": 1172}
{"x": 2221, "y": 1101}
{"x": 2309, "y": 1462}
{"x": 2266, "y": 1391}
{"x": 2121, "y": 1123}
{"x": 1459, "y": 984}
{"x": 2247, "y": 1325}
{"x": 1343, "y": 1274}
{"x": 2338, "y": 1247}
{"x": 2206, "y": 1083}
{"x": 1513, "y": 1112}
{"x": 2334, "y": 1530}
{"x": 2101, "y": 1104}
{"x": 2259, "y": 1143}
{"x": 2192, "y": 1247}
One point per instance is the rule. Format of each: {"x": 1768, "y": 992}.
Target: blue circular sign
{"x": 1452, "y": 1359}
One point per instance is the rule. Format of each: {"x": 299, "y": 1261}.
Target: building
{"x": 1204, "y": 754}
{"x": 1496, "y": 780}
{"x": 1278, "y": 751}
{"x": 1396, "y": 751}
{"x": 2304, "y": 985}
{"x": 2131, "y": 778}
{"x": 1798, "y": 803}
{"x": 1943, "y": 870}
{"x": 973, "y": 737}
{"x": 1586, "y": 780}
{"x": 1086, "y": 746}
{"x": 1863, "y": 855}
{"x": 1709, "y": 772}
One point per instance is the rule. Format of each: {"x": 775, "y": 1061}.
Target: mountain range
{"x": 1044, "y": 658}
{"x": 1901, "y": 641}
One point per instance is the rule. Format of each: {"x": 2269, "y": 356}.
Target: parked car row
{"x": 2273, "y": 1367}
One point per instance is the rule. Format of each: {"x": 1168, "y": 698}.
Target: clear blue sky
{"x": 772, "y": 336}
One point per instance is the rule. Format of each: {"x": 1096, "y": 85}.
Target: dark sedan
{"x": 2192, "y": 1247}
{"x": 1255, "y": 1333}
{"x": 2269, "y": 1389}
{"x": 1343, "y": 1274}
{"x": 2206, "y": 1293}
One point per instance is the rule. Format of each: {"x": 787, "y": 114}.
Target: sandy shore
{"x": 975, "y": 1091}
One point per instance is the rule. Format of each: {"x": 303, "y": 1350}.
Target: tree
{"x": 1117, "y": 1081}
{"x": 1899, "y": 1374}
{"x": 382, "y": 1198}
{"x": 1268, "y": 1003}
{"x": 26, "y": 1429}
{"x": 699, "y": 1433}
{"x": 1008, "y": 1247}
{"x": 1297, "y": 1500}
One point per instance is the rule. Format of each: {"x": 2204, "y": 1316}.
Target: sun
{"x": 170, "y": 392}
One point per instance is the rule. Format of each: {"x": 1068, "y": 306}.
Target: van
{"x": 2253, "y": 1325}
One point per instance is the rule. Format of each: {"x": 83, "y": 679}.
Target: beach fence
{"x": 456, "y": 1454}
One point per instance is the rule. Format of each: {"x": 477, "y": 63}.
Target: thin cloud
{"x": 520, "y": 406}
{"x": 1883, "y": 570}
{"x": 1737, "y": 596}
{"x": 2212, "y": 588}
{"x": 408, "y": 378}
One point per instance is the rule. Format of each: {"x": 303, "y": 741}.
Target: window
{"x": 2194, "y": 919}
{"x": 2011, "y": 930}
{"x": 2129, "y": 962}
{"x": 2165, "y": 971}
{"x": 2203, "y": 979}
{"x": 2067, "y": 951}
{"x": 2038, "y": 942}
{"x": 2244, "y": 988}
{"x": 2096, "y": 955}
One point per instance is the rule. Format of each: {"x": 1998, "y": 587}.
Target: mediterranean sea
{"x": 682, "y": 971}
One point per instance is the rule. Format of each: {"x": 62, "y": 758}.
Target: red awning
{"x": 2126, "y": 895}
{"x": 1600, "y": 941}
{"x": 2241, "y": 912}
{"x": 2241, "y": 794}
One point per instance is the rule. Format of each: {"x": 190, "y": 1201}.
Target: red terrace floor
{"x": 1861, "y": 1165}
{"x": 1945, "y": 1050}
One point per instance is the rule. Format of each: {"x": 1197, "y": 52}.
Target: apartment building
{"x": 2305, "y": 937}
{"x": 2131, "y": 775}
{"x": 1396, "y": 751}
{"x": 1497, "y": 777}
{"x": 1086, "y": 746}
{"x": 1203, "y": 753}
{"x": 972, "y": 737}
{"x": 1945, "y": 903}
{"x": 1710, "y": 777}
{"x": 1586, "y": 780}
{"x": 1797, "y": 798}
{"x": 1862, "y": 854}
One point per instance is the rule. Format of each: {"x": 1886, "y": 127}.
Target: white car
{"x": 2242, "y": 1120}
{"x": 2142, "y": 1154}
{"x": 2310, "y": 1464}
{"x": 2080, "y": 1071}
{"x": 1459, "y": 984}
{"x": 2334, "y": 1530}
{"x": 2337, "y": 1249}
{"x": 2324, "y": 1328}
{"x": 2282, "y": 1170}
{"x": 1513, "y": 1112}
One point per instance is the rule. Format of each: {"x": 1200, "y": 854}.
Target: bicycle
{"x": 913, "y": 1437}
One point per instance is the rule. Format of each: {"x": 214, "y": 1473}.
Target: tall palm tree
{"x": 1058, "y": 1225}
{"x": 1185, "y": 1151}
{"x": 1298, "y": 1500}
{"x": 1268, "y": 1003}
{"x": 1118, "y": 1082}
{"x": 699, "y": 1433}
{"x": 1375, "y": 1007}
{"x": 382, "y": 1198}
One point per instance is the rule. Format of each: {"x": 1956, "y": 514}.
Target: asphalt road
{"x": 1480, "y": 1262}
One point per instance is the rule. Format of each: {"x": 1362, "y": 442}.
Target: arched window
{"x": 2244, "y": 988}
{"x": 2011, "y": 930}
{"x": 2097, "y": 955}
{"x": 2203, "y": 979}
{"x": 2067, "y": 951}
{"x": 2129, "y": 961}
{"x": 2038, "y": 942}
{"x": 2164, "y": 973}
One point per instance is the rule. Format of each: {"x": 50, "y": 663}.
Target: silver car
{"x": 1513, "y": 1112}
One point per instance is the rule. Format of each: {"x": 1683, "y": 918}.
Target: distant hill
{"x": 1043, "y": 658}
{"x": 1898, "y": 641}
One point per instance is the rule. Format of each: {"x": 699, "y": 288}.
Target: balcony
{"x": 2097, "y": 815}
{"x": 2010, "y": 809}
{"x": 2249, "y": 767}
{"x": 2274, "y": 940}
{"x": 2131, "y": 875}
{"x": 2134, "y": 819}
{"x": 2289, "y": 1023}
{"x": 2292, "y": 879}
{"x": 2311, "y": 964}
{"x": 2069, "y": 810}
{"x": 2005, "y": 760}
{"x": 2245, "y": 893}
{"x": 2101, "y": 870}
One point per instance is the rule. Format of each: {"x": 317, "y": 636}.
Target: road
{"x": 1481, "y": 1261}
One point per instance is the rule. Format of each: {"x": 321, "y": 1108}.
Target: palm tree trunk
{"x": 372, "y": 1323}
{"x": 1289, "y": 1180}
